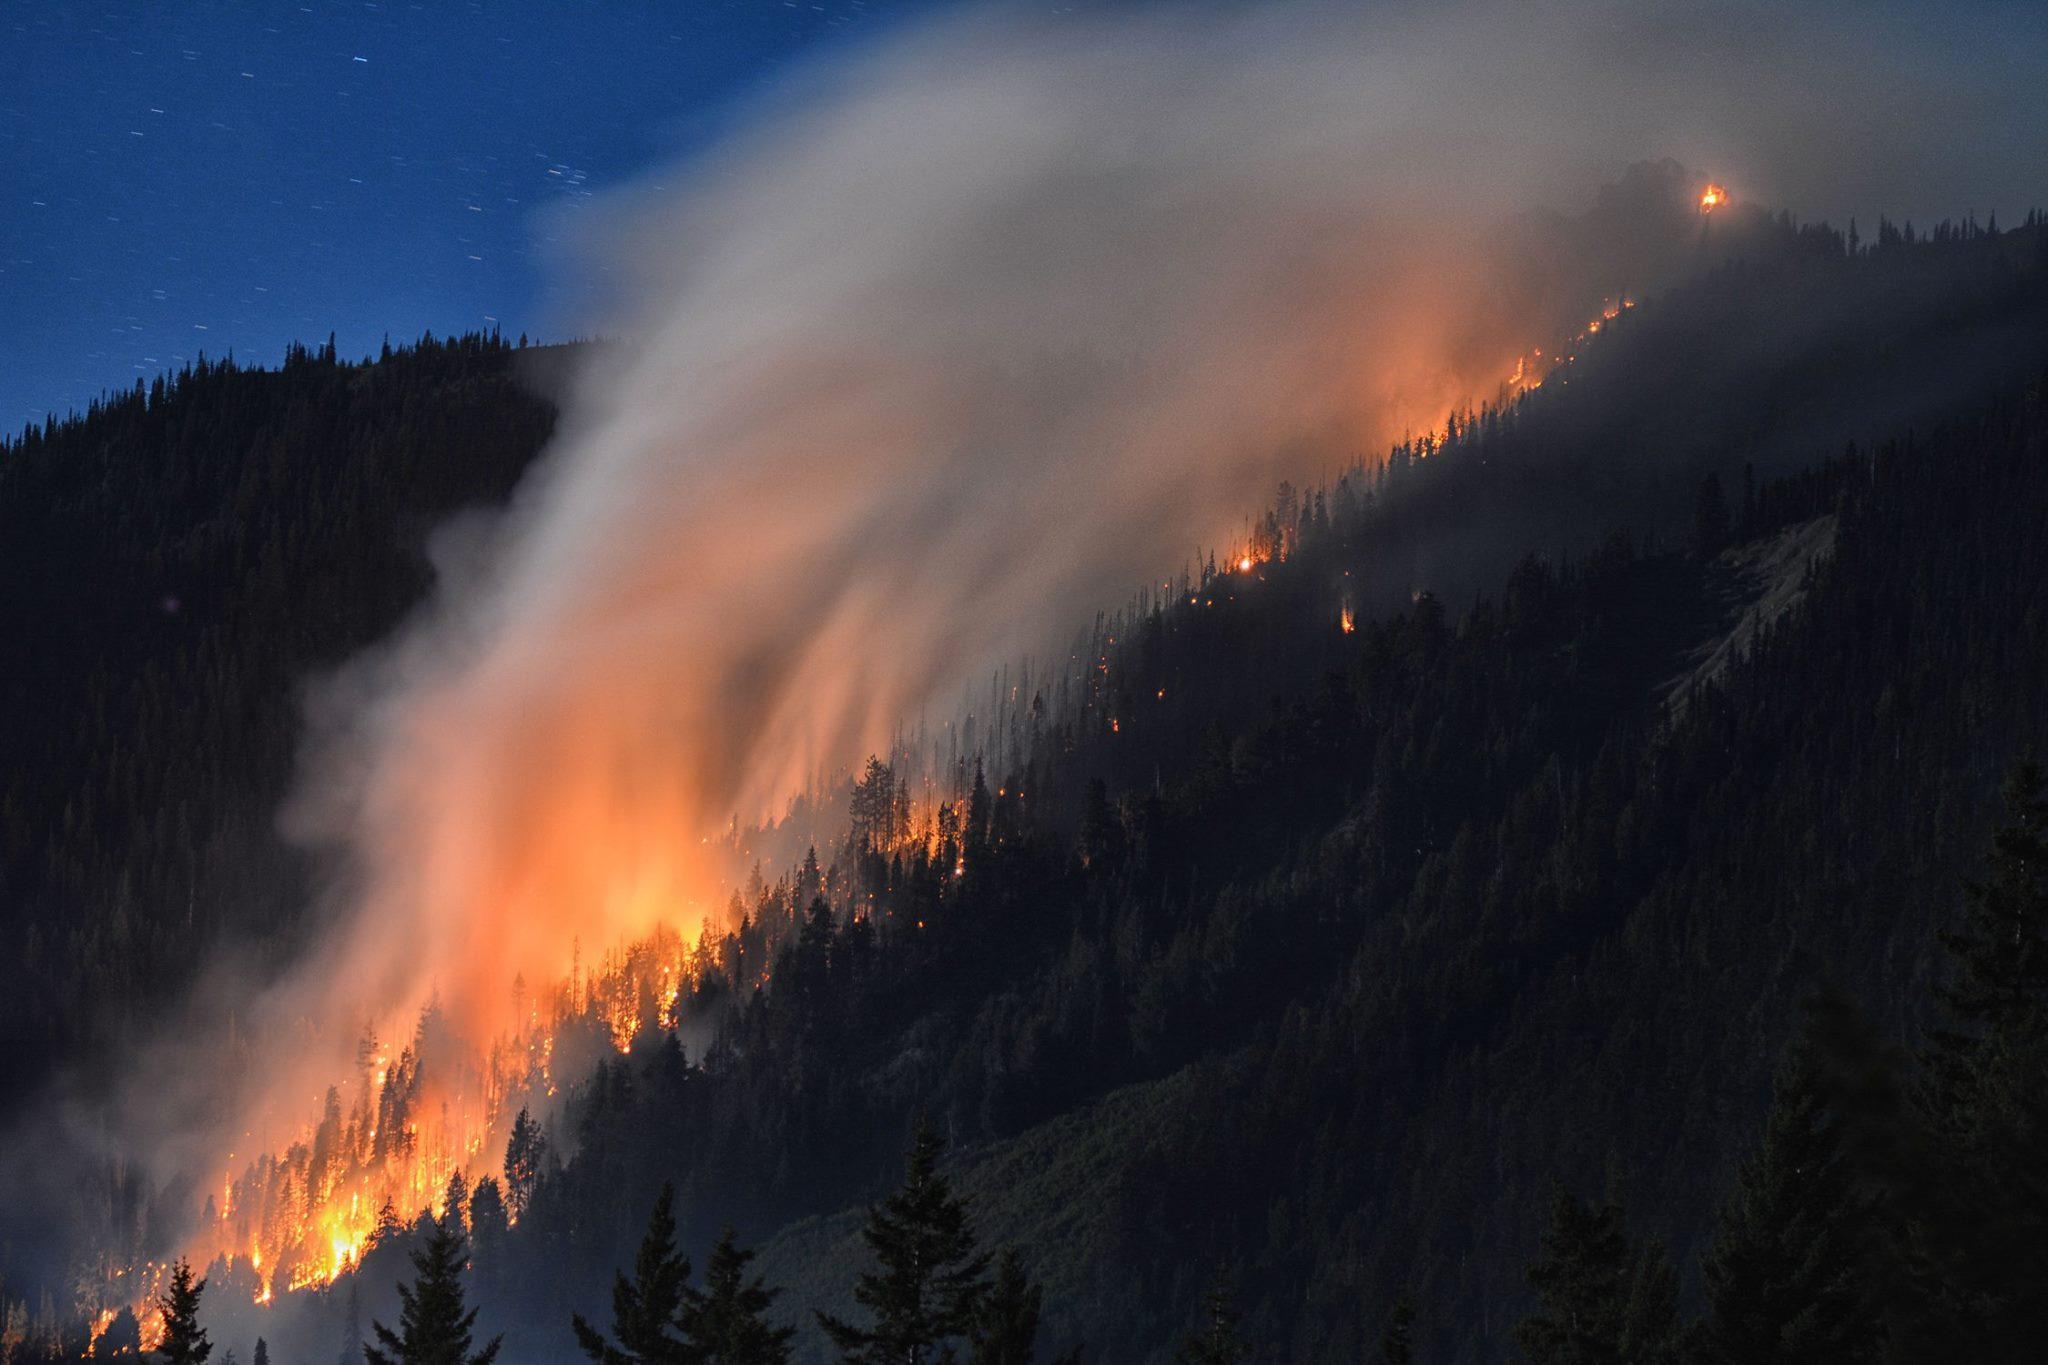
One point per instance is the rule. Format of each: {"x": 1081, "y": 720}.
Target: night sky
{"x": 179, "y": 178}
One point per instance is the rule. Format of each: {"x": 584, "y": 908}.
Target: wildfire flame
{"x": 385, "y": 1145}
{"x": 98, "y": 1329}
{"x": 1713, "y": 198}
{"x": 1532, "y": 368}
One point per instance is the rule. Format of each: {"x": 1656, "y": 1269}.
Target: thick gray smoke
{"x": 974, "y": 331}
{"x": 968, "y": 333}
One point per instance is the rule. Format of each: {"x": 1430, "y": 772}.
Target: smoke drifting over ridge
{"x": 956, "y": 341}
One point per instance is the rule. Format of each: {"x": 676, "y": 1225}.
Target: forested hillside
{"x": 175, "y": 565}
{"x": 1320, "y": 924}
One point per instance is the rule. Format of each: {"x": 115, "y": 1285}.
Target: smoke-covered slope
{"x": 1391, "y": 928}
{"x": 175, "y": 565}
{"x": 1582, "y": 970}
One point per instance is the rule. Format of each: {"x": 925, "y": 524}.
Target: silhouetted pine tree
{"x": 1986, "y": 1100}
{"x": 724, "y": 1322}
{"x": 1006, "y": 1327}
{"x": 184, "y": 1340}
{"x": 488, "y": 1227}
{"x": 1215, "y": 1339}
{"x": 648, "y": 1309}
{"x": 434, "y": 1325}
{"x": 1601, "y": 1302}
{"x": 1997, "y": 994}
{"x": 931, "y": 1280}
{"x": 525, "y": 1155}
{"x": 262, "y": 1356}
{"x": 455, "y": 1203}
{"x": 1782, "y": 1277}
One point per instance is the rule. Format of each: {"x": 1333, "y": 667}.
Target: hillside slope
{"x": 1590, "y": 975}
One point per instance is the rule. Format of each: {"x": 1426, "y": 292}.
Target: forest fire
{"x": 1533, "y": 367}
{"x": 411, "y": 1132}
{"x": 1712, "y": 198}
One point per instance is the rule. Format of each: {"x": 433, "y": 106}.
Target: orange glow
{"x": 304, "y": 1214}
{"x": 1713, "y": 198}
{"x": 539, "y": 786}
{"x": 1532, "y": 368}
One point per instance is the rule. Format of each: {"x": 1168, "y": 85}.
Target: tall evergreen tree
{"x": 488, "y": 1222}
{"x": 1006, "y": 1326}
{"x": 184, "y": 1340}
{"x": 725, "y": 1323}
{"x": 525, "y": 1155}
{"x": 262, "y": 1356}
{"x": 1985, "y": 1249}
{"x": 1782, "y": 1278}
{"x": 648, "y": 1309}
{"x": 1998, "y": 984}
{"x": 931, "y": 1278}
{"x": 455, "y": 1203}
{"x": 435, "y": 1327}
{"x": 1215, "y": 1338}
{"x": 1601, "y": 1301}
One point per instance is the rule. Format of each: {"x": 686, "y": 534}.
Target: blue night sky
{"x": 179, "y": 177}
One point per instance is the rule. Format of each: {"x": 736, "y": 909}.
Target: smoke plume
{"x": 968, "y": 333}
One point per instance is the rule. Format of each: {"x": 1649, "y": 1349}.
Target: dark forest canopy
{"x": 1325, "y": 955}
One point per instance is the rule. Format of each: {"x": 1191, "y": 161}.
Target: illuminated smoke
{"x": 963, "y": 337}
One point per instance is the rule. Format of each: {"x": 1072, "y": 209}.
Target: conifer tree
{"x": 1006, "y": 1327}
{"x": 123, "y": 1334}
{"x": 931, "y": 1278}
{"x": 262, "y": 1356}
{"x": 184, "y": 1340}
{"x": 455, "y": 1203}
{"x": 725, "y": 1322}
{"x": 525, "y": 1155}
{"x": 1601, "y": 1302}
{"x": 646, "y": 1310}
{"x": 978, "y": 812}
{"x": 1781, "y": 1277}
{"x": 1997, "y": 992}
{"x": 434, "y": 1325}
{"x": 1215, "y": 1339}
{"x": 487, "y": 1220}
{"x": 1985, "y": 1099}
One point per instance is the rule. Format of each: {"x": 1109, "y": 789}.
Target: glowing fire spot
{"x": 1346, "y": 622}
{"x": 1714, "y": 197}
{"x": 98, "y": 1329}
{"x": 1244, "y": 564}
